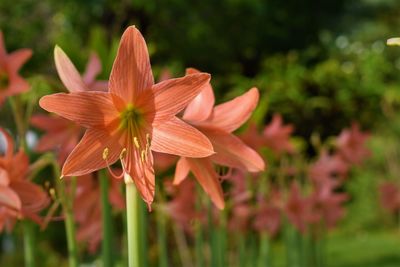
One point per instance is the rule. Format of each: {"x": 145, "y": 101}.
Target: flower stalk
{"x": 106, "y": 248}
{"x": 29, "y": 244}
{"x": 132, "y": 206}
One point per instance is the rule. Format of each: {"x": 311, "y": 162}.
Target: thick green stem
{"x": 29, "y": 244}
{"x": 132, "y": 205}
{"x": 69, "y": 217}
{"x": 106, "y": 248}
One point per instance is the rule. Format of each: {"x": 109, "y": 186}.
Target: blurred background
{"x": 322, "y": 65}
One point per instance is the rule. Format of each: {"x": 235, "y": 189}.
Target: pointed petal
{"x": 232, "y": 152}
{"x": 32, "y": 196}
{"x": 201, "y": 106}
{"x": 179, "y": 138}
{"x": 89, "y": 109}
{"x": 208, "y": 179}
{"x": 131, "y": 73}
{"x": 171, "y": 96}
{"x": 93, "y": 68}
{"x": 182, "y": 170}
{"x": 18, "y": 58}
{"x": 99, "y": 86}
{"x": 231, "y": 115}
{"x": 87, "y": 156}
{"x": 69, "y": 75}
{"x": 9, "y": 198}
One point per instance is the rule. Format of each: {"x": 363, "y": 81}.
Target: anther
{"x": 135, "y": 140}
{"x": 105, "y": 153}
{"x": 148, "y": 139}
{"x": 122, "y": 154}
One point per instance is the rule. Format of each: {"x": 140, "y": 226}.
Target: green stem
{"x": 106, "y": 248}
{"x": 19, "y": 121}
{"x": 132, "y": 205}
{"x": 29, "y": 244}
{"x": 69, "y": 217}
{"x": 263, "y": 257}
{"x": 161, "y": 232}
{"x": 143, "y": 212}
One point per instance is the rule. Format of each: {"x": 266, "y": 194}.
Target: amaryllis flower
{"x": 351, "y": 144}
{"x": 133, "y": 118}
{"x": 326, "y": 204}
{"x": 389, "y": 196}
{"x": 328, "y": 167}
{"x": 277, "y": 135}
{"x": 19, "y": 198}
{"x": 60, "y": 134}
{"x": 87, "y": 209}
{"x": 218, "y": 123}
{"x": 268, "y": 216}
{"x": 297, "y": 208}
{"x": 11, "y": 83}
{"x": 182, "y": 208}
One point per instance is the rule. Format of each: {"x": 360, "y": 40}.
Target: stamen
{"x": 135, "y": 140}
{"x": 105, "y": 157}
{"x": 148, "y": 139}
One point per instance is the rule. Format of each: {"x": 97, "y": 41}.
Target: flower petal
{"x": 32, "y": 196}
{"x": 202, "y": 105}
{"x": 89, "y": 109}
{"x": 93, "y": 68}
{"x": 179, "y": 138}
{"x": 232, "y": 152}
{"x": 87, "y": 156}
{"x": 182, "y": 170}
{"x": 171, "y": 96}
{"x": 9, "y": 198}
{"x": 231, "y": 115}
{"x": 131, "y": 73}
{"x": 17, "y": 58}
{"x": 69, "y": 75}
{"x": 208, "y": 179}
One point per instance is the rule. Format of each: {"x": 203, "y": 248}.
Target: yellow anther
{"x": 105, "y": 153}
{"x": 122, "y": 154}
{"x": 52, "y": 193}
{"x": 143, "y": 155}
{"x": 148, "y": 139}
{"x": 136, "y": 141}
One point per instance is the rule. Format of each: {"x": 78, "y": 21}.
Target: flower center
{"x": 4, "y": 80}
{"x": 131, "y": 118}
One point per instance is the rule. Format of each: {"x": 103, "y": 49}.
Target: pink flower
{"x": 277, "y": 135}
{"x": 351, "y": 144}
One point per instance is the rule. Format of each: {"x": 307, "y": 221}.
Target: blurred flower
{"x": 87, "y": 209}
{"x": 326, "y": 204}
{"x": 389, "y": 194}
{"x": 240, "y": 197}
{"x": 393, "y": 41}
{"x": 60, "y": 134}
{"x": 19, "y": 198}
{"x": 268, "y": 215}
{"x": 351, "y": 144}
{"x": 277, "y": 135}
{"x": 297, "y": 208}
{"x": 328, "y": 167}
{"x": 131, "y": 119}
{"x": 252, "y": 137}
{"x": 182, "y": 208}
{"x": 218, "y": 123}
{"x": 11, "y": 83}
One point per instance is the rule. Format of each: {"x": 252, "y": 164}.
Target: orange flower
{"x": 61, "y": 134}
{"x": 134, "y": 117}
{"x": 218, "y": 123}
{"x": 19, "y": 198}
{"x": 11, "y": 83}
